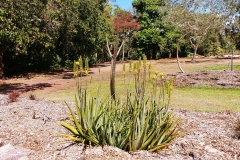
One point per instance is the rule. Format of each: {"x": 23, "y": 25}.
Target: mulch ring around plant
{"x": 32, "y": 125}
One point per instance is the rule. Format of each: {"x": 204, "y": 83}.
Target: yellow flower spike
{"x": 155, "y": 76}
{"x": 124, "y": 69}
{"x": 156, "y": 72}
{"x": 80, "y": 64}
{"x": 144, "y": 60}
{"x": 86, "y": 66}
{"x": 130, "y": 66}
{"x": 139, "y": 63}
{"x": 135, "y": 71}
{"x": 77, "y": 63}
{"x": 161, "y": 74}
{"x": 149, "y": 68}
{"x": 135, "y": 68}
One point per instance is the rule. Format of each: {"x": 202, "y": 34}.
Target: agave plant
{"x": 140, "y": 121}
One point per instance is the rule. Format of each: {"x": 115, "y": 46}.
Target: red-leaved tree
{"x": 123, "y": 23}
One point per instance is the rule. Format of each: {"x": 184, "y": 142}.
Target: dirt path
{"x": 53, "y": 81}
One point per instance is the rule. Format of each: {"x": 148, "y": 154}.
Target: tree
{"x": 82, "y": 29}
{"x": 232, "y": 22}
{"x": 36, "y": 34}
{"x": 195, "y": 18}
{"x": 23, "y": 26}
{"x": 122, "y": 23}
{"x": 151, "y": 39}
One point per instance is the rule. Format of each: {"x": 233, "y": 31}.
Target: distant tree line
{"x": 39, "y": 35}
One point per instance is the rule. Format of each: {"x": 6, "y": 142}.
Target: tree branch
{"x": 108, "y": 48}
{"x": 120, "y": 47}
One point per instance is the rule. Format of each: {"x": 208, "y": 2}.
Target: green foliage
{"x": 156, "y": 38}
{"x": 42, "y": 35}
{"x": 24, "y": 37}
{"x": 138, "y": 121}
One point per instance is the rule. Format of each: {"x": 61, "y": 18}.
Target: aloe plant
{"x": 140, "y": 121}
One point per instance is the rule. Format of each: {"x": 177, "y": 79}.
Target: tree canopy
{"x": 37, "y": 35}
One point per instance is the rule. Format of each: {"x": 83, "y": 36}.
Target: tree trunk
{"x": 113, "y": 66}
{"x": 123, "y": 53}
{"x": 112, "y": 77}
{"x": 195, "y": 47}
{"x": 169, "y": 54}
{"x": 178, "y": 61}
{"x": 194, "y": 54}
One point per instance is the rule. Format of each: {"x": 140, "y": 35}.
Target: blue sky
{"x": 124, "y": 4}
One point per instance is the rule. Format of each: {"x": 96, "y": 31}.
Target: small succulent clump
{"x": 13, "y": 96}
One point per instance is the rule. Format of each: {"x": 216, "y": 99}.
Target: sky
{"x": 124, "y": 4}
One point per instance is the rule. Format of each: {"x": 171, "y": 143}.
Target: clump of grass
{"x": 13, "y": 96}
{"x": 32, "y": 97}
{"x": 138, "y": 121}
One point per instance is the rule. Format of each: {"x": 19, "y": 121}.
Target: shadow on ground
{"x": 21, "y": 87}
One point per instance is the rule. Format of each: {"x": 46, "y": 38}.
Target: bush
{"x": 140, "y": 121}
{"x": 13, "y": 96}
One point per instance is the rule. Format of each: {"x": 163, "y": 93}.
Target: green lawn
{"x": 206, "y": 99}
{"x": 217, "y": 67}
{"x": 190, "y": 98}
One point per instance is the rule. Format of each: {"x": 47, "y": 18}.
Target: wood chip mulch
{"x": 32, "y": 124}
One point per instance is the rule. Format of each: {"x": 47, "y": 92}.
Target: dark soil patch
{"x": 222, "y": 79}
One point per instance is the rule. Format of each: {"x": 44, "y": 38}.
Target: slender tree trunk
{"x": 123, "y": 53}
{"x": 194, "y": 54}
{"x": 195, "y": 47}
{"x": 113, "y": 66}
{"x": 178, "y": 61}
{"x": 169, "y": 54}
{"x": 112, "y": 78}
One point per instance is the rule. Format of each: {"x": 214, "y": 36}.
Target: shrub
{"x": 13, "y": 96}
{"x": 140, "y": 121}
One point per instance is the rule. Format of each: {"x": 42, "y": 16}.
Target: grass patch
{"x": 218, "y": 67}
{"x": 191, "y": 98}
{"x": 205, "y": 99}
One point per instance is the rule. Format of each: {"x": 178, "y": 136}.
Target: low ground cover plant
{"x": 138, "y": 121}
